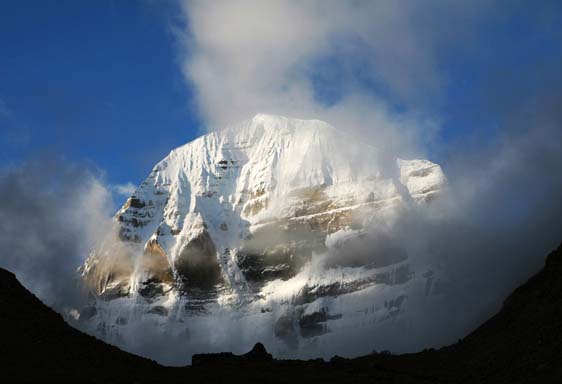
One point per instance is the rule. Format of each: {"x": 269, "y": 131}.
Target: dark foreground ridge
{"x": 521, "y": 344}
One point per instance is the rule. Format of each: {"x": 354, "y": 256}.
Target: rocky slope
{"x": 272, "y": 216}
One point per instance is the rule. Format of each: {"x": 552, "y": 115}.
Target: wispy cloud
{"x": 245, "y": 57}
{"x": 51, "y": 214}
{"x": 126, "y": 189}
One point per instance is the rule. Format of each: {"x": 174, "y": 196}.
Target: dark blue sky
{"x": 100, "y": 81}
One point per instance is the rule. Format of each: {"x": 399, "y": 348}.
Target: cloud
{"x": 126, "y": 189}
{"x": 320, "y": 58}
{"x": 51, "y": 214}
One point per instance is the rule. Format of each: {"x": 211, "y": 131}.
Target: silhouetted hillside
{"x": 521, "y": 344}
{"x": 38, "y": 343}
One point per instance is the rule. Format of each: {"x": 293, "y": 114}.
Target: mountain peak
{"x": 291, "y": 123}
{"x": 268, "y": 116}
{"x": 234, "y": 218}
{"x": 274, "y": 117}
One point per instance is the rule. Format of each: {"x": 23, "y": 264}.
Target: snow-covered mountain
{"x": 268, "y": 220}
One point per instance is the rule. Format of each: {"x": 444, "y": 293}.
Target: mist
{"x": 373, "y": 56}
{"x": 52, "y": 212}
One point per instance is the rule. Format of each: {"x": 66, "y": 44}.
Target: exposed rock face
{"x": 197, "y": 263}
{"x": 108, "y": 271}
{"x": 313, "y": 324}
{"x": 155, "y": 263}
{"x": 224, "y": 217}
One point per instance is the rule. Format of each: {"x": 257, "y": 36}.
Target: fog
{"x": 52, "y": 213}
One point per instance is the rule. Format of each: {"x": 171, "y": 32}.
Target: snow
{"x": 268, "y": 153}
{"x": 232, "y": 182}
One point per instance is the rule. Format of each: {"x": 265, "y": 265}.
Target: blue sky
{"x": 94, "y": 81}
{"x": 101, "y": 81}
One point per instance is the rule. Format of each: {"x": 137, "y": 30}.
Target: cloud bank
{"x": 348, "y": 63}
{"x": 52, "y": 213}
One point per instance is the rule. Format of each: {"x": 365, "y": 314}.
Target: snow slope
{"x": 267, "y": 218}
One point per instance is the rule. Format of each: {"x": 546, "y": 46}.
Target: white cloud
{"x": 126, "y": 189}
{"x": 245, "y": 57}
{"x": 65, "y": 209}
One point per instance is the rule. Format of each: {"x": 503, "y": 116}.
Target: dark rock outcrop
{"x": 257, "y": 355}
{"x": 197, "y": 264}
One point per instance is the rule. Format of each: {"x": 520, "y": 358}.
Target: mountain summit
{"x": 235, "y": 217}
